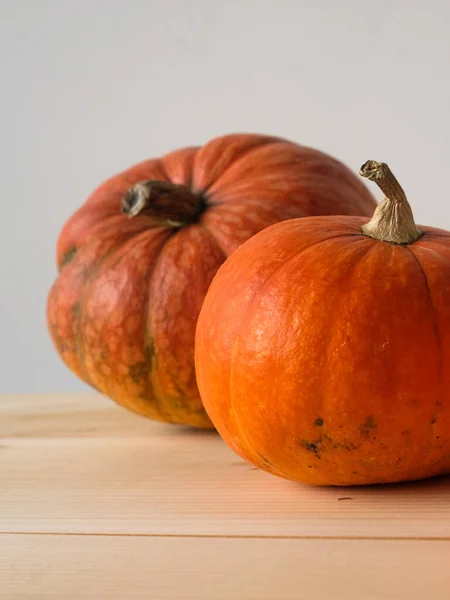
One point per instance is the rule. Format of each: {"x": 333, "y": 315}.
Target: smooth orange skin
{"x": 123, "y": 311}
{"x": 323, "y": 356}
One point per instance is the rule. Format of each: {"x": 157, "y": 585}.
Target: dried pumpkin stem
{"x": 168, "y": 202}
{"x": 393, "y": 219}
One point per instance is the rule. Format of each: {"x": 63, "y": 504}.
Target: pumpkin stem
{"x": 393, "y": 219}
{"x": 173, "y": 204}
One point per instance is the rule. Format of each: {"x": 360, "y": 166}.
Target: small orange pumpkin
{"x": 123, "y": 311}
{"x": 323, "y": 347}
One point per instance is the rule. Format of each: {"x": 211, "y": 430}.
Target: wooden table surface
{"x": 98, "y": 503}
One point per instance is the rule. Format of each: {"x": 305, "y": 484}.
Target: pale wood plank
{"x": 128, "y": 568}
{"x": 80, "y": 464}
{"x": 65, "y": 415}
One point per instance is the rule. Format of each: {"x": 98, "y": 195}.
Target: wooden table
{"x": 96, "y": 503}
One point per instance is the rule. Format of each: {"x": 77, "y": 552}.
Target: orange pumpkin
{"x": 123, "y": 311}
{"x": 323, "y": 347}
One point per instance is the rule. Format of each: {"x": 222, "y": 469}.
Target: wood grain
{"x": 55, "y": 567}
{"x": 120, "y": 505}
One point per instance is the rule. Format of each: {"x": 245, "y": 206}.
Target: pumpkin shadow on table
{"x": 411, "y": 489}
{"x": 185, "y": 430}
{"x": 430, "y": 483}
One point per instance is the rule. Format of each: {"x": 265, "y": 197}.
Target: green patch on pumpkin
{"x": 68, "y": 256}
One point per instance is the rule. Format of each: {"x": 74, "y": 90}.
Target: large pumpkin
{"x": 123, "y": 311}
{"x": 323, "y": 347}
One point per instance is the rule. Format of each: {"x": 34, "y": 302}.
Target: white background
{"x": 89, "y": 87}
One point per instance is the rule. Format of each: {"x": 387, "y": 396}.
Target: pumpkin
{"x": 136, "y": 260}
{"x": 323, "y": 346}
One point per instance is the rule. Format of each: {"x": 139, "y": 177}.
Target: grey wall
{"x": 90, "y": 86}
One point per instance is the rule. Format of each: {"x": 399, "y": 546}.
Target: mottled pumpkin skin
{"x": 123, "y": 311}
{"x": 323, "y": 355}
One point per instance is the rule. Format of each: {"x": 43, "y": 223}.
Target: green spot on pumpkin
{"x": 138, "y": 372}
{"x": 75, "y": 310}
{"x": 150, "y": 355}
{"x": 68, "y": 256}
